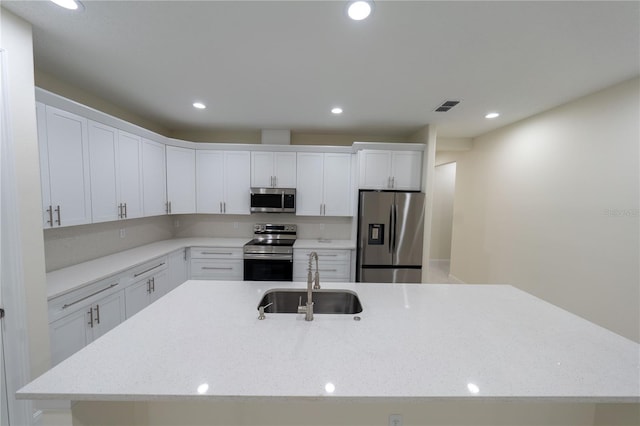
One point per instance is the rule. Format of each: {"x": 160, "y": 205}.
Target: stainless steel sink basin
{"x": 325, "y": 301}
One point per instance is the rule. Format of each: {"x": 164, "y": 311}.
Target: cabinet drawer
{"x": 214, "y": 269}
{"x": 79, "y": 299}
{"x": 338, "y": 271}
{"x": 216, "y": 253}
{"x": 146, "y": 269}
{"x": 302, "y": 255}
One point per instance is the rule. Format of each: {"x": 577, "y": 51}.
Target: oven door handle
{"x": 256, "y": 256}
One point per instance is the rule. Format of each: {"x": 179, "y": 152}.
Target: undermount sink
{"x": 286, "y": 301}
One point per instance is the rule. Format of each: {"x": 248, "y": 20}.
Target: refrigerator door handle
{"x": 391, "y": 229}
{"x": 395, "y": 222}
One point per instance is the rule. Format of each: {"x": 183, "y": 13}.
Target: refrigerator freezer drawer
{"x": 391, "y": 275}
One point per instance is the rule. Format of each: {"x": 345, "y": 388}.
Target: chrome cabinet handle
{"x": 149, "y": 286}
{"x": 125, "y": 210}
{"x": 50, "y": 211}
{"x": 120, "y": 211}
{"x": 216, "y": 252}
{"x": 216, "y": 268}
{"x": 220, "y": 206}
{"x": 320, "y": 209}
{"x": 65, "y": 306}
{"x": 97, "y": 314}
{"x": 393, "y": 182}
{"x": 150, "y": 269}
{"x": 153, "y": 284}
{"x": 224, "y": 205}
{"x": 58, "y": 221}
{"x": 90, "y": 317}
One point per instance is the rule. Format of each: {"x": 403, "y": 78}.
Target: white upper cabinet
{"x": 130, "y": 175}
{"x": 273, "y": 169}
{"x": 181, "y": 180}
{"x": 116, "y": 173}
{"x": 323, "y": 184}
{"x": 401, "y": 170}
{"x": 222, "y": 182}
{"x": 154, "y": 181}
{"x": 64, "y": 167}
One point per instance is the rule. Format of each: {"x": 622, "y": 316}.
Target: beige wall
{"x": 442, "y": 221}
{"x": 16, "y": 39}
{"x": 550, "y": 205}
{"x": 54, "y": 85}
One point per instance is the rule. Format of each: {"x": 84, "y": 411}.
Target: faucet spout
{"x": 313, "y": 282}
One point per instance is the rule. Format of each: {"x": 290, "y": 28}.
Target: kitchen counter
{"x": 203, "y": 341}
{"x": 62, "y": 281}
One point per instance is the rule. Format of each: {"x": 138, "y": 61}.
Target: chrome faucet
{"x": 308, "y": 308}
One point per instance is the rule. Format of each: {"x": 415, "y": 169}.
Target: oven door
{"x": 268, "y": 267}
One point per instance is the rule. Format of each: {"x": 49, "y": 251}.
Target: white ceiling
{"x": 283, "y": 65}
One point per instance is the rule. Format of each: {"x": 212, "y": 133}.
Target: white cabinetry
{"x": 218, "y": 263}
{"x": 178, "y": 268}
{"x": 80, "y": 317}
{"x": 150, "y": 281}
{"x": 116, "y": 173}
{"x": 181, "y": 180}
{"x": 273, "y": 169}
{"x": 154, "y": 180}
{"x": 222, "y": 182}
{"x": 323, "y": 184}
{"x": 334, "y": 264}
{"x": 400, "y": 170}
{"x": 64, "y": 167}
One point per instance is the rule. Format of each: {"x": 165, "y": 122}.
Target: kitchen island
{"x": 412, "y": 348}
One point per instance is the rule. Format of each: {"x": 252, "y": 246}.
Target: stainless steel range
{"x": 269, "y": 256}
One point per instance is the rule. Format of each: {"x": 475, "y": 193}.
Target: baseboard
{"x": 456, "y": 279}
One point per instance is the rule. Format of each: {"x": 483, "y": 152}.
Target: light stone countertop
{"x": 319, "y": 244}
{"x": 65, "y": 280}
{"x": 203, "y": 341}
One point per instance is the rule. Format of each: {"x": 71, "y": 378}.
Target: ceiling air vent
{"x": 446, "y": 106}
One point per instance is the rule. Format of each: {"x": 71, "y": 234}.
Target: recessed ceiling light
{"x": 199, "y": 105}
{"x": 69, "y": 4}
{"x": 492, "y": 115}
{"x": 359, "y": 10}
{"x": 336, "y": 110}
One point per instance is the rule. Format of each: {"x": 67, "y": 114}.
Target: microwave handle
{"x": 282, "y": 202}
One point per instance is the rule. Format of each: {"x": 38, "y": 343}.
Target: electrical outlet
{"x": 395, "y": 419}
{"x": 123, "y": 233}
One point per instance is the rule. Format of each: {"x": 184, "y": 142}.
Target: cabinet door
{"x": 262, "y": 175}
{"x": 130, "y": 174}
{"x": 68, "y": 335}
{"x": 284, "y": 166}
{"x": 375, "y": 169}
{"x": 309, "y": 198}
{"x": 177, "y": 266}
{"x": 68, "y": 166}
{"x": 154, "y": 182}
{"x": 137, "y": 297}
{"x": 103, "y": 142}
{"x": 337, "y": 185}
{"x": 406, "y": 170}
{"x": 181, "y": 180}
{"x": 159, "y": 285}
{"x": 108, "y": 312}
{"x": 237, "y": 185}
{"x": 210, "y": 181}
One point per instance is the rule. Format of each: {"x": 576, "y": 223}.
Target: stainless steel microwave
{"x": 273, "y": 200}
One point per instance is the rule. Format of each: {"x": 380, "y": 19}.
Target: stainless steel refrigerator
{"x": 390, "y": 227}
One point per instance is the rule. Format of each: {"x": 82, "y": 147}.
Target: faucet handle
{"x": 261, "y": 309}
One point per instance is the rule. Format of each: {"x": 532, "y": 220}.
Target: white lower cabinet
{"x": 333, "y": 265}
{"x": 90, "y": 317}
{"x": 178, "y": 268}
{"x": 217, "y": 263}
{"x": 150, "y": 282}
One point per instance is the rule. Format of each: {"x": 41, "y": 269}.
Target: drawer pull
{"x": 150, "y": 269}
{"x": 214, "y": 252}
{"x": 65, "y": 306}
{"x": 213, "y": 267}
